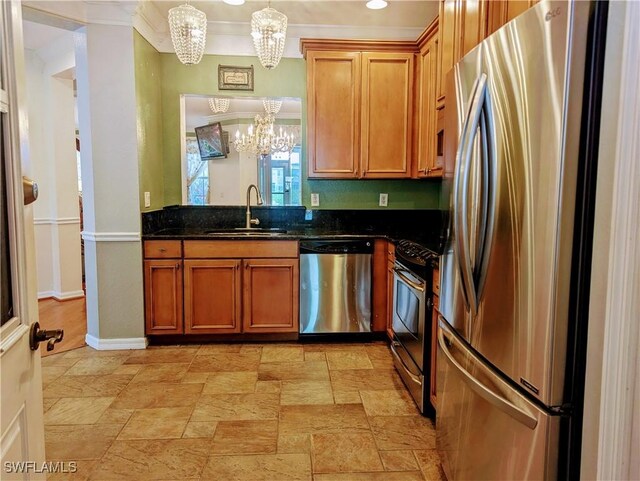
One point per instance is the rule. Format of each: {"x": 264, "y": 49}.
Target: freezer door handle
{"x": 480, "y": 389}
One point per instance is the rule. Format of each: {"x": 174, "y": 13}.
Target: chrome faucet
{"x": 251, "y": 221}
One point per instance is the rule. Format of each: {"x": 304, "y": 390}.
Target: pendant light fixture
{"x": 219, "y": 105}
{"x": 269, "y": 31}
{"x": 188, "y": 27}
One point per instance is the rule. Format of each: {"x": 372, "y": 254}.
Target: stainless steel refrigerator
{"x": 519, "y": 178}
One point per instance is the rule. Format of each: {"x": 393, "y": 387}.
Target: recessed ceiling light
{"x": 376, "y": 4}
{"x": 234, "y": 2}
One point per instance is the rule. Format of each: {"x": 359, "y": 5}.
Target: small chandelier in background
{"x": 261, "y": 138}
{"x": 188, "y": 27}
{"x": 272, "y": 106}
{"x": 269, "y": 31}
{"x": 219, "y": 105}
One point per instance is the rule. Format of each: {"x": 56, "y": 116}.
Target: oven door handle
{"x": 413, "y": 377}
{"x": 414, "y": 285}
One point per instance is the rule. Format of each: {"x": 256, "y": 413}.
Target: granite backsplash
{"x": 420, "y": 225}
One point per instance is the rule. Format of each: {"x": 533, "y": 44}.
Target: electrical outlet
{"x": 384, "y": 200}
{"x": 315, "y": 200}
{"x": 147, "y": 199}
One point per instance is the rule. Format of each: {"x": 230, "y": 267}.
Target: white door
{"x": 21, "y": 421}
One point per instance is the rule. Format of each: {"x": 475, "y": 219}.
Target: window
{"x": 197, "y": 175}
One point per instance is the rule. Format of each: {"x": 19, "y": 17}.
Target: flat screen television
{"x": 211, "y": 141}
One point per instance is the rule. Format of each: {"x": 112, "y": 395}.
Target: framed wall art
{"x": 235, "y": 78}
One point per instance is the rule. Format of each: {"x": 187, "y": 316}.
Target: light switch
{"x": 315, "y": 200}
{"x": 384, "y": 200}
{"x": 147, "y": 199}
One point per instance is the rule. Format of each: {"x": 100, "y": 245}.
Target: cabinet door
{"x": 503, "y": 11}
{"x": 448, "y": 44}
{"x": 387, "y": 100}
{"x": 270, "y": 295}
{"x": 427, "y": 108}
{"x": 473, "y": 25}
{"x": 212, "y": 301}
{"x": 163, "y": 296}
{"x": 333, "y": 114}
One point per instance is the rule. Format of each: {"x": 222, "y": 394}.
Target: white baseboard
{"x": 116, "y": 344}
{"x": 61, "y": 296}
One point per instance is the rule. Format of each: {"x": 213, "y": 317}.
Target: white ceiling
{"x": 399, "y": 13}
{"x": 229, "y": 26}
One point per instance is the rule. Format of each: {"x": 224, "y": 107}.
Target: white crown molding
{"x": 116, "y": 344}
{"x": 61, "y": 296}
{"x": 56, "y": 221}
{"x": 111, "y": 236}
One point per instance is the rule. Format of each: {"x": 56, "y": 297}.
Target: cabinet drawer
{"x": 237, "y": 249}
{"x": 436, "y": 282}
{"x": 162, "y": 249}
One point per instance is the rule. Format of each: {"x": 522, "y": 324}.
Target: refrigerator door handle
{"x": 480, "y": 389}
{"x": 489, "y": 170}
{"x": 457, "y": 191}
{"x": 462, "y": 190}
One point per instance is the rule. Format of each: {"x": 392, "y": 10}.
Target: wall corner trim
{"x": 116, "y": 344}
{"x": 111, "y": 236}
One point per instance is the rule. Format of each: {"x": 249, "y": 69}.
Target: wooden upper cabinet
{"x": 271, "y": 290}
{"x": 503, "y": 11}
{"x": 333, "y": 95}
{"x": 473, "y": 24}
{"x": 462, "y": 26}
{"x": 447, "y": 31}
{"x": 387, "y": 96}
{"x": 360, "y": 97}
{"x": 427, "y": 136}
{"x": 212, "y": 296}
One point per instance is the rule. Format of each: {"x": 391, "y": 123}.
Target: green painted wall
{"x": 149, "y": 122}
{"x": 287, "y": 80}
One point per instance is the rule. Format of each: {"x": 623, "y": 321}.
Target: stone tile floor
{"x": 235, "y": 412}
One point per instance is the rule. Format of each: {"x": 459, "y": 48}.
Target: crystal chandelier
{"x": 269, "y": 30}
{"x": 219, "y": 105}
{"x": 261, "y": 138}
{"x": 272, "y": 106}
{"x": 188, "y": 27}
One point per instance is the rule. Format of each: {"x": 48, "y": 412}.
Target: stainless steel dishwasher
{"x": 335, "y": 286}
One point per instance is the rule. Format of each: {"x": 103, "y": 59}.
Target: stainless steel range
{"x": 411, "y": 344}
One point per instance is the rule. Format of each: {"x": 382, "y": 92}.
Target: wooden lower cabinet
{"x": 270, "y": 295}
{"x": 163, "y": 296}
{"x": 212, "y": 296}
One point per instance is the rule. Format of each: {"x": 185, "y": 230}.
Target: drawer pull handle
{"x": 162, "y": 249}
